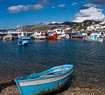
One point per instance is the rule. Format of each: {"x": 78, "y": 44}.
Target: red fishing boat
{"x": 79, "y": 35}
{"x": 51, "y": 36}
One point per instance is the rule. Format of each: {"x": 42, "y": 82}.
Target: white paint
{"x": 43, "y": 81}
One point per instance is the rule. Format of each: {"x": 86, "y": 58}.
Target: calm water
{"x": 88, "y": 58}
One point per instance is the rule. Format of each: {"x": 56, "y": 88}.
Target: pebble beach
{"x": 74, "y": 89}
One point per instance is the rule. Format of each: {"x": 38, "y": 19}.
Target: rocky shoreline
{"x": 84, "y": 89}
{"x": 76, "y": 88}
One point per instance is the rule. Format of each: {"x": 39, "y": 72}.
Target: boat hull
{"x": 25, "y": 37}
{"x": 54, "y": 37}
{"x": 8, "y": 37}
{"x": 75, "y": 36}
{"x": 91, "y": 40}
{"x": 23, "y": 42}
{"x": 39, "y": 37}
{"x": 43, "y": 86}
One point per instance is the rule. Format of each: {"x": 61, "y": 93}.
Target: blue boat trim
{"x": 25, "y": 37}
{"x": 23, "y": 42}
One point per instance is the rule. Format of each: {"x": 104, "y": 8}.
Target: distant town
{"x": 72, "y": 27}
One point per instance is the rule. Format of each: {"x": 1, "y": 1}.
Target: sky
{"x": 15, "y": 13}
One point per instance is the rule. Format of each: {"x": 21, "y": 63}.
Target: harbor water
{"x": 88, "y": 59}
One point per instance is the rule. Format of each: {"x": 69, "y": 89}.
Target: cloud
{"x": 90, "y": 5}
{"x": 19, "y": 8}
{"x": 89, "y": 13}
{"x": 45, "y": 2}
{"x": 82, "y": 15}
{"x": 62, "y": 5}
{"x": 36, "y": 7}
{"x": 86, "y": 6}
{"x": 97, "y": 1}
{"x": 75, "y": 3}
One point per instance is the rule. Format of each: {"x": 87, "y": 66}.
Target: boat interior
{"x": 53, "y": 72}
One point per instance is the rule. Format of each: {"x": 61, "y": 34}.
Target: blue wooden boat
{"x": 44, "y": 82}
{"x": 23, "y": 42}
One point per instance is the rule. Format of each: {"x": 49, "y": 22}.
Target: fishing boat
{"x": 94, "y": 37}
{"x": 61, "y": 34}
{"x": 8, "y": 36}
{"x": 24, "y": 36}
{"x": 39, "y": 35}
{"x": 45, "y": 82}
{"x": 51, "y": 36}
{"x": 79, "y": 35}
{"x": 23, "y": 42}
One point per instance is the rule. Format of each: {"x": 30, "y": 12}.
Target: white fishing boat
{"x": 24, "y": 36}
{"x": 94, "y": 37}
{"x": 61, "y": 34}
{"x": 39, "y": 35}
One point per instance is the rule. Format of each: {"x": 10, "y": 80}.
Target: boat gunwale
{"x": 36, "y": 79}
{"x": 44, "y": 81}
